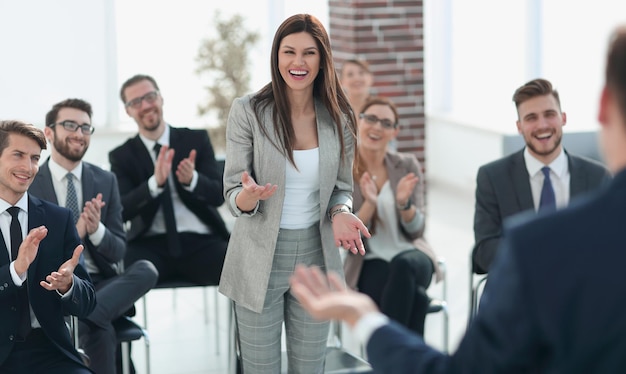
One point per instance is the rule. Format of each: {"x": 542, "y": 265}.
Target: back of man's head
{"x": 616, "y": 68}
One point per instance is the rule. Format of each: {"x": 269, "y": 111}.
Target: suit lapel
{"x": 87, "y": 184}
{"x": 143, "y": 157}
{"x": 328, "y": 149}
{"x": 46, "y": 190}
{"x": 577, "y": 183}
{"x": 4, "y": 259}
{"x": 36, "y": 216}
{"x": 521, "y": 182}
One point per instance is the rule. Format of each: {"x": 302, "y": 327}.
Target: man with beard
{"x": 541, "y": 176}
{"x": 171, "y": 186}
{"x": 92, "y": 195}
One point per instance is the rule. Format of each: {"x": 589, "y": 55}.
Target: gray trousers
{"x": 114, "y": 297}
{"x": 260, "y": 333}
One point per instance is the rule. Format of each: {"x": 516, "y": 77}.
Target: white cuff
{"x": 369, "y": 323}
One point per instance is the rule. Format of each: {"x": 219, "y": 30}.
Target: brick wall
{"x": 389, "y": 36}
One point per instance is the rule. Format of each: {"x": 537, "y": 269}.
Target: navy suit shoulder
{"x": 540, "y": 311}
{"x": 49, "y": 308}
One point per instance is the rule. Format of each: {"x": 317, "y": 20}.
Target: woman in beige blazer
{"x": 389, "y": 199}
{"x": 288, "y": 180}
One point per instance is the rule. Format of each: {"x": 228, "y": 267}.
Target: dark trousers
{"x": 399, "y": 287}
{"x": 39, "y": 355}
{"x": 201, "y": 260}
{"x": 115, "y": 297}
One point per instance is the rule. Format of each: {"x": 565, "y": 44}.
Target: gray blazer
{"x": 503, "y": 190}
{"x": 250, "y": 254}
{"x": 398, "y": 165}
{"x": 95, "y": 180}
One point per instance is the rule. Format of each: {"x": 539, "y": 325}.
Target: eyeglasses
{"x": 150, "y": 97}
{"x": 372, "y": 119}
{"x": 72, "y": 126}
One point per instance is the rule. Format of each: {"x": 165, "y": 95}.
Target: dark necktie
{"x": 72, "y": 201}
{"x": 16, "y": 241}
{"x": 548, "y": 200}
{"x": 168, "y": 214}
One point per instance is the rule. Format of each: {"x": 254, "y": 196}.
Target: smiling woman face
{"x": 373, "y": 135}
{"x": 299, "y": 61}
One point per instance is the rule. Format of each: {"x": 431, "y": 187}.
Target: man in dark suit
{"x": 171, "y": 187}
{"x": 513, "y": 184}
{"x": 41, "y": 279}
{"x": 541, "y": 311}
{"x": 96, "y": 203}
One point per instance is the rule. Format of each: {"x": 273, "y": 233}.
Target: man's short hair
{"x": 82, "y": 105}
{"x": 534, "y": 88}
{"x": 136, "y": 79}
{"x": 21, "y": 128}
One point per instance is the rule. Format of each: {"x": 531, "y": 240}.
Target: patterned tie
{"x": 548, "y": 200}
{"x": 168, "y": 214}
{"x": 16, "y": 240}
{"x": 71, "y": 202}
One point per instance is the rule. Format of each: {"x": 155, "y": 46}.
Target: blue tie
{"x": 548, "y": 200}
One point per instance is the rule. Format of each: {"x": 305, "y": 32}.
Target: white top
{"x": 559, "y": 176}
{"x": 301, "y": 208}
{"x": 387, "y": 241}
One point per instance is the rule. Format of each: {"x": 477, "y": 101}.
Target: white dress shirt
{"x": 59, "y": 182}
{"x": 559, "y": 176}
{"x": 186, "y": 220}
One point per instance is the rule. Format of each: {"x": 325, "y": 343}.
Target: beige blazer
{"x": 398, "y": 165}
{"x": 250, "y": 253}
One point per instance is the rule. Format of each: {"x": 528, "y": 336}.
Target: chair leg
{"x": 147, "y": 346}
{"x": 145, "y": 311}
{"x": 125, "y": 357}
{"x": 217, "y": 318}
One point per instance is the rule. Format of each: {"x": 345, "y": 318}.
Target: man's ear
{"x": 48, "y": 133}
{"x": 603, "y": 108}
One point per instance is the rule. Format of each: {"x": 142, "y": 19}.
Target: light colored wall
{"x": 478, "y": 52}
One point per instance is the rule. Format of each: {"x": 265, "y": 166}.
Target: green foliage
{"x": 224, "y": 61}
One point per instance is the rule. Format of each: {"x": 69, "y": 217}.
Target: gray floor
{"x": 182, "y": 343}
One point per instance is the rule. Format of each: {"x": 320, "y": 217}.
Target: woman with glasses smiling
{"x": 389, "y": 198}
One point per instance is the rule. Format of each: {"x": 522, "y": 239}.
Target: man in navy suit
{"x": 42, "y": 281}
{"x": 99, "y": 224}
{"x": 513, "y": 184}
{"x": 556, "y": 301}
{"x": 171, "y": 186}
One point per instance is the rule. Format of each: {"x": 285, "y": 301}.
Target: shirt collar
{"x": 558, "y": 166}
{"x": 22, "y": 203}
{"x": 58, "y": 172}
{"x": 163, "y": 140}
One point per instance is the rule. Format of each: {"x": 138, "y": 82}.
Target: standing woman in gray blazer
{"x": 288, "y": 180}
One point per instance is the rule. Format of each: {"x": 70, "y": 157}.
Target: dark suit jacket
{"x": 94, "y": 180}
{"x": 503, "y": 189}
{"x": 543, "y": 309}
{"x": 56, "y": 248}
{"x": 133, "y": 166}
